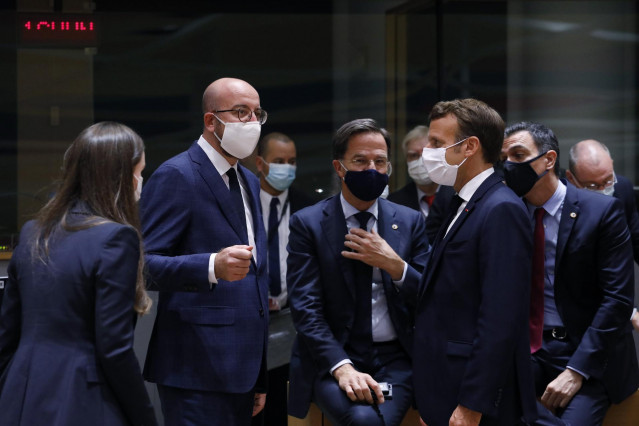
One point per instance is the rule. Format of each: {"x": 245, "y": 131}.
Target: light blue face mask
{"x": 280, "y": 176}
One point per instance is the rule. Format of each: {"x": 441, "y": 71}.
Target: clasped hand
{"x": 372, "y": 249}
{"x": 233, "y": 263}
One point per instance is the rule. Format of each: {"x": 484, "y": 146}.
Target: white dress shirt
{"x": 381, "y": 325}
{"x": 282, "y": 233}
{"x": 222, "y": 166}
{"x": 468, "y": 191}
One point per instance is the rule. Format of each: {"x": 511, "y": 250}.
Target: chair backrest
{"x": 624, "y": 414}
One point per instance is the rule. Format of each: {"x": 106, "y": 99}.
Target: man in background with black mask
{"x": 349, "y": 257}
{"x": 582, "y": 285}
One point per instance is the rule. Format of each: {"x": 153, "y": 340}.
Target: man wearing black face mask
{"x": 344, "y": 287}
{"x": 582, "y": 285}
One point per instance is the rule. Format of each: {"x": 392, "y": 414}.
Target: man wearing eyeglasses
{"x": 205, "y": 248}
{"x": 583, "y": 352}
{"x": 590, "y": 166}
{"x": 349, "y": 257}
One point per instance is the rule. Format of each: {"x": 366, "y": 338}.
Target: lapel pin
{"x": 394, "y": 226}
{"x": 573, "y": 215}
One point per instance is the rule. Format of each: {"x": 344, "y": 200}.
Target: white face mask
{"x": 606, "y": 191}
{"x": 418, "y": 172}
{"x": 239, "y": 139}
{"x": 438, "y": 169}
{"x": 138, "y": 189}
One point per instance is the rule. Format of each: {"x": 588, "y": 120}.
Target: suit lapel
{"x": 389, "y": 231}
{"x": 216, "y": 185}
{"x": 442, "y": 240}
{"x": 569, "y": 214}
{"x": 334, "y": 226}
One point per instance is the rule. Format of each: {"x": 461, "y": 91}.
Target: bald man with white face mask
{"x": 205, "y": 248}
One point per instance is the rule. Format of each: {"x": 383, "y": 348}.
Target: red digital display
{"x": 58, "y": 30}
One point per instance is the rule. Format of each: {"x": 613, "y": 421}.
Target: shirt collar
{"x": 219, "y": 162}
{"x": 471, "y": 186}
{"x": 265, "y": 197}
{"x": 553, "y": 204}
{"x": 349, "y": 210}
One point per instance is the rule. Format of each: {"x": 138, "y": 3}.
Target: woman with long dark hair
{"x": 75, "y": 285}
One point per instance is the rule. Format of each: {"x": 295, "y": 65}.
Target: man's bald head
{"x": 590, "y": 163}
{"x": 588, "y": 153}
{"x": 218, "y": 93}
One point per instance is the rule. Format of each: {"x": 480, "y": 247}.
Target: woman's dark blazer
{"x": 66, "y": 331}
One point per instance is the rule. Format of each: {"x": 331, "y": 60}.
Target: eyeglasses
{"x": 596, "y": 186}
{"x": 361, "y": 163}
{"x": 244, "y": 114}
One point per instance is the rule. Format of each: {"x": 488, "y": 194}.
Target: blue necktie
{"x": 238, "y": 203}
{"x": 275, "y": 283}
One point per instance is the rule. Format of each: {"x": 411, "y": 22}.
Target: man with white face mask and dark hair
{"x": 471, "y": 360}
{"x": 205, "y": 247}
{"x": 349, "y": 257}
{"x": 421, "y": 193}
{"x": 590, "y": 166}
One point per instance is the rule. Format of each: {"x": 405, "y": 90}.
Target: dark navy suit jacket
{"x": 624, "y": 190}
{"x": 66, "y": 332}
{"x": 211, "y": 339}
{"x": 321, "y": 287}
{"x": 299, "y": 199}
{"x": 471, "y": 334}
{"x": 594, "y": 289}
{"x": 407, "y": 196}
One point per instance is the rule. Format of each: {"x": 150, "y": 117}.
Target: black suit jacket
{"x": 299, "y": 199}
{"x": 407, "y": 196}
{"x": 594, "y": 286}
{"x": 624, "y": 191}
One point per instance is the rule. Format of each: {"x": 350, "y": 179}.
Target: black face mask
{"x": 367, "y": 184}
{"x": 521, "y": 177}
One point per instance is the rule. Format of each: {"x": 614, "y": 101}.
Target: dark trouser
{"x": 587, "y": 407}
{"x": 187, "y": 407}
{"x": 394, "y": 368}
{"x": 275, "y": 412}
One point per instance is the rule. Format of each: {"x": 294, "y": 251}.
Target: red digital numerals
{"x": 58, "y": 26}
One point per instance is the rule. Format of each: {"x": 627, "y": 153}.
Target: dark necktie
{"x": 536, "y": 318}
{"x": 452, "y": 212}
{"x": 361, "y": 338}
{"x": 428, "y": 199}
{"x": 238, "y": 203}
{"x": 275, "y": 283}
